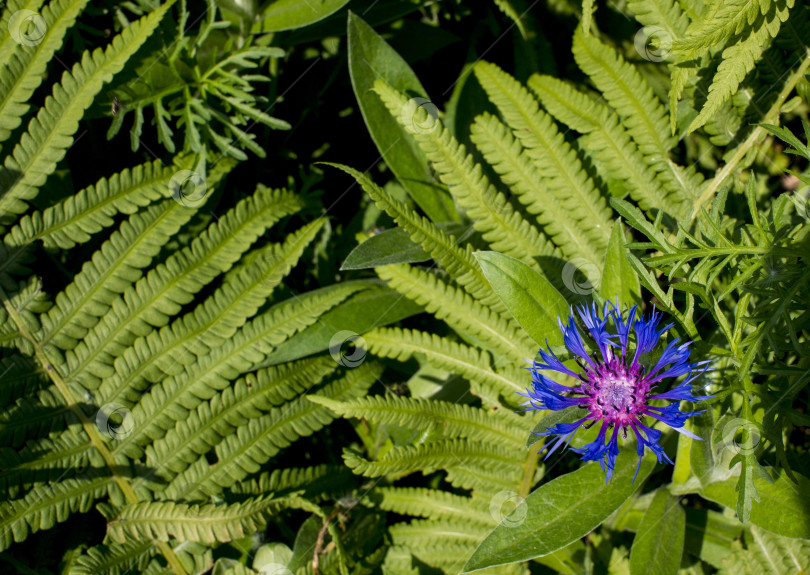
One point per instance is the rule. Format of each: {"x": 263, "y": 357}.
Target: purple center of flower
{"x": 614, "y": 394}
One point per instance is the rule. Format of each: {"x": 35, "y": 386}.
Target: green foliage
{"x": 197, "y": 371}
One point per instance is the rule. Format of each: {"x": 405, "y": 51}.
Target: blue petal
{"x": 646, "y": 335}
{"x": 597, "y": 328}
{"x": 683, "y": 392}
{"x": 552, "y": 362}
{"x": 671, "y": 415}
{"x": 651, "y": 441}
{"x": 564, "y": 430}
{"x": 573, "y": 341}
{"x": 593, "y": 451}
{"x": 623, "y": 327}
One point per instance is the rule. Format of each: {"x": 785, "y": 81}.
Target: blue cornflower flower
{"x": 613, "y": 386}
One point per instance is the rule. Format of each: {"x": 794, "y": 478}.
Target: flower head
{"x": 613, "y": 387}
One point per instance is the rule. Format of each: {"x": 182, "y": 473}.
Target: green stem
{"x": 87, "y": 425}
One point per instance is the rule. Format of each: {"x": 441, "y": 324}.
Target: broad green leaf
{"x": 782, "y": 508}
{"x": 535, "y": 303}
{"x": 619, "y": 280}
{"x": 560, "y": 512}
{"x": 391, "y": 247}
{"x": 374, "y": 306}
{"x": 291, "y": 14}
{"x": 658, "y": 545}
{"x": 371, "y": 58}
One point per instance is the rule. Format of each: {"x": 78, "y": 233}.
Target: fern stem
{"x": 528, "y": 473}
{"x": 742, "y": 150}
{"x": 88, "y": 426}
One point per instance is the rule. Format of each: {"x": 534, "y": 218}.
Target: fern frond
{"x": 318, "y": 482}
{"x": 216, "y": 319}
{"x": 471, "y": 363}
{"x": 557, "y": 163}
{"x": 172, "y": 399}
{"x": 447, "y": 558}
{"x": 739, "y": 59}
{"x": 32, "y": 417}
{"x": 461, "y": 312}
{"x": 627, "y": 92}
{"x": 607, "y": 140}
{"x": 25, "y": 68}
{"x": 470, "y": 464}
{"x": 431, "y": 504}
{"x": 244, "y": 452}
{"x": 458, "y": 262}
{"x": 493, "y": 216}
{"x": 419, "y": 533}
{"x": 114, "y": 559}
{"x": 44, "y": 460}
{"x": 78, "y": 217}
{"x": 248, "y": 398}
{"x": 8, "y": 44}
{"x": 661, "y": 13}
{"x": 723, "y": 21}
{"x": 172, "y": 284}
{"x": 114, "y": 267}
{"x": 46, "y": 505}
{"x": 640, "y": 111}
{"x": 453, "y": 419}
{"x": 209, "y": 523}
{"x": 49, "y": 134}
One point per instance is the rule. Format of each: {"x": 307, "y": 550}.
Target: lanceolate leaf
{"x": 619, "y": 280}
{"x": 535, "y": 303}
{"x": 370, "y": 58}
{"x": 658, "y": 545}
{"x": 560, "y": 512}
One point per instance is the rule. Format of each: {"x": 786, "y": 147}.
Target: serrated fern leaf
{"x": 470, "y": 362}
{"x": 493, "y": 216}
{"x": 25, "y": 68}
{"x": 248, "y": 398}
{"x": 454, "y": 420}
{"x": 244, "y": 452}
{"x": 318, "y": 482}
{"x": 114, "y": 559}
{"x": 172, "y": 399}
{"x": 607, "y": 140}
{"x": 46, "y": 505}
{"x": 8, "y": 42}
{"x": 173, "y": 283}
{"x": 739, "y": 59}
{"x": 767, "y": 554}
{"x": 167, "y": 351}
{"x": 557, "y": 163}
{"x": 458, "y": 262}
{"x": 114, "y": 267}
{"x": 431, "y": 504}
{"x": 724, "y": 20}
{"x": 470, "y": 464}
{"x": 470, "y": 319}
{"x": 640, "y": 111}
{"x": 666, "y": 15}
{"x": 418, "y": 533}
{"x": 207, "y": 523}
{"x": 48, "y": 137}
